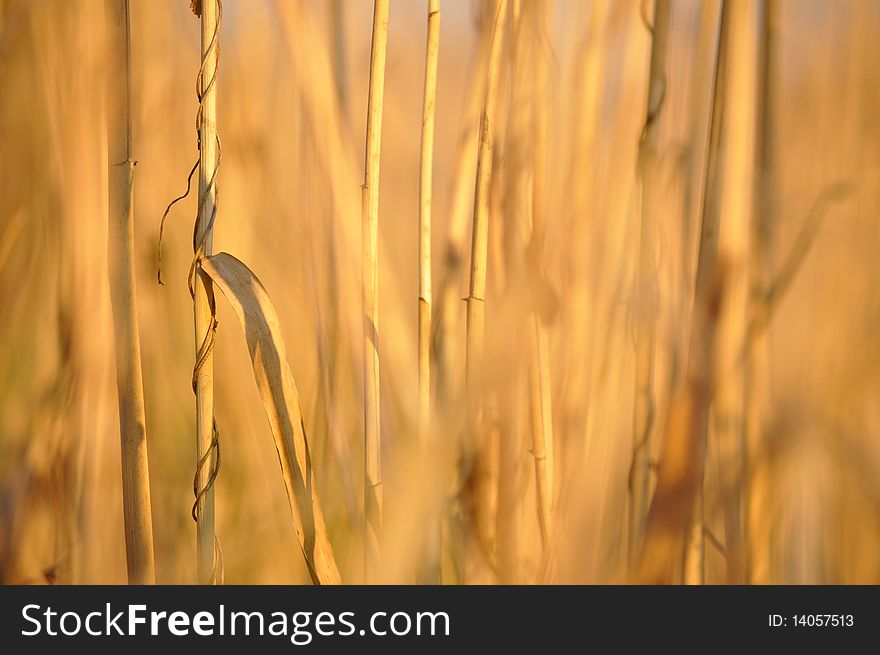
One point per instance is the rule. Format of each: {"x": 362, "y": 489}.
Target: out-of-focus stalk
{"x": 475, "y": 328}
{"x": 734, "y": 244}
{"x": 370, "y": 236}
{"x": 426, "y": 171}
{"x": 693, "y": 569}
{"x": 129, "y": 380}
{"x": 447, "y": 309}
{"x": 761, "y": 252}
{"x": 646, "y": 298}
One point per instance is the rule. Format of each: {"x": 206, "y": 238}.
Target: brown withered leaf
{"x": 196, "y": 6}
{"x": 274, "y": 379}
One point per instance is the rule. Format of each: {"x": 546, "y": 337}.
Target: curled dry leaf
{"x": 196, "y": 6}
{"x": 275, "y": 383}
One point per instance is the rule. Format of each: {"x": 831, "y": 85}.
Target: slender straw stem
{"x": 370, "y": 235}
{"x": 426, "y": 169}
{"x": 737, "y": 213}
{"x": 480, "y": 235}
{"x": 447, "y": 311}
{"x": 694, "y": 549}
{"x": 425, "y": 186}
{"x": 203, "y": 300}
{"x": 542, "y": 428}
{"x": 761, "y": 253}
{"x": 539, "y": 380}
{"x": 643, "y": 414}
{"x": 480, "y": 442}
{"x": 129, "y": 380}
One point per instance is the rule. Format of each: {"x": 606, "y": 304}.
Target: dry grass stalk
{"x": 693, "y": 555}
{"x": 532, "y": 299}
{"x": 700, "y": 108}
{"x": 726, "y": 227}
{"x": 480, "y": 231}
{"x": 758, "y": 358}
{"x": 540, "y": 392}
{"x": 129, "y": 379}
{"x": 734, "y": 244}
{"x": 475, "y": 326}
{"x": 426, "y": 169}
{"x": 448, "y": 305}
{"x": 281, "y": 401}
{"x": 203, "y": 301}
{"x": 592, "y": 70}
{"x": 370, "y": 241}
{"x": 446, "y": 310}
{"x": 700, "y": 105}
{"x": 542, "y": 428}
{"x": 643, "y": 414}
{"x": 541, "y": 407}
{"x": 508, "y": 232}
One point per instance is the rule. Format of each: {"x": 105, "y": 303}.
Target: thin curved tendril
{"x": 165, "y": 216}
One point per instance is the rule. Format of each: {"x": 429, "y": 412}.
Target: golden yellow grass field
{"x": 666, "y": 369}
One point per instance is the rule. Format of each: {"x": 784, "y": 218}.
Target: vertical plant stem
{"x": 129, "y": 380}
{"x": 480, "y": 235}
{"x": 643, "y": 415}
{"x": 542, "y": 428}
{"x": 707, "y": 254}
{"x": 694, "y": 555}
{"x": 700, "y": 108}
{"x": 426, "y": 168}
{"x": 508, "y": 231}
{"x": 447, "y": 311}
{"x": 589, "y": 79}
{"x": 524, "y": 182}
{"x": 475, "y": 323}
{"x": 206, "y": 453}
{"x": 539, "y": 382}
{"x": 370, "y": 235}
{"x": 761, "y": 253}
{"x": 734, "y": 245}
